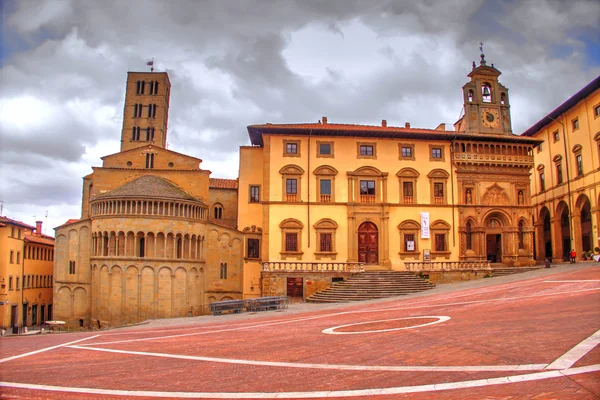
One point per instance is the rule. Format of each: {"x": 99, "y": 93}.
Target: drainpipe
{"x": 308, "y": 200}
{"x": 567, "y": 162}
{"x": 452, "y": 197}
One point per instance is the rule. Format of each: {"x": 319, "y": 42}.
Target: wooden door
{"x": 294, "y": 287}
{"x": 368, "y": 243}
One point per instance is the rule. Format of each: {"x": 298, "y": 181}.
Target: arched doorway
{"x": 493, "y": 239}
{"x": 565, "y": 230}
{"x": 585, "y": 221}
{"x": 546, "y": 233}
{"x": 368, "y": 243}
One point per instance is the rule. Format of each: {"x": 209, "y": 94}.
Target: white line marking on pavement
{"x": 569, "y": 359}
{"x": 44, "y": 349}
{"x": 392, "y": 368}
{"x": 306, "y": 395}
{"x": 332, "y": 331}
{"x": 574, "y": 280}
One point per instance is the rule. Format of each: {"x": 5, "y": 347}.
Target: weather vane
{"x": 481, "y": 46}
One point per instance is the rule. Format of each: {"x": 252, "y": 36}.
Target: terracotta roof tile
{"x": 149, "y": 186}
{"x": 223, "y": 183}
{"x": 11, "y": 221}
{"x": 44, "y": 239}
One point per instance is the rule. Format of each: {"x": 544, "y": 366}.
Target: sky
{"x": 63, "y": 66}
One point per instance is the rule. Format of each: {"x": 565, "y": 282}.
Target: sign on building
{"x": 424, "y": 225}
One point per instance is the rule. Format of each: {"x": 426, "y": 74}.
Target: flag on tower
{"x": 150, "y": 63}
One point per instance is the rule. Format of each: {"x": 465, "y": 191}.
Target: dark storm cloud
{"x": 236, "y": 63}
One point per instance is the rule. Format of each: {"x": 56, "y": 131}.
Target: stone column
{"x": 557, "y": 246}
{"x": 576, "y": 225}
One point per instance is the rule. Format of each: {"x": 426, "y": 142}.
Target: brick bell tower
{"x": 146, "y": 111}
{"x": 486, "y": 105}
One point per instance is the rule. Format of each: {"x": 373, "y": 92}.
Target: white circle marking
{"x": 332, "y": 331}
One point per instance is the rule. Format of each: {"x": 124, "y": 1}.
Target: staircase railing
{"x": 293, "y": 266}
{"x": 447, "y": 265}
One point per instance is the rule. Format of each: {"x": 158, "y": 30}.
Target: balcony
{"x": 325, "y": 198}
{"x": 408, "y": 200}
{"x": 292, "y": 266}
{"x": 367, "y": 198}
{"x": 291, "y": 197}
{"x": 494, "y": 159}
{"x": 438, "y": 200}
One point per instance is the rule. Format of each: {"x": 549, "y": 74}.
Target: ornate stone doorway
{"x": 368, "y": 243}
{"x": 494, "y": 247}
{"x": 295, "y": 288}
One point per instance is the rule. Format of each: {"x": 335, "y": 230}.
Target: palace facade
{"x": 157, "y": 236}
{"x": 566, "y": 183}
{"x": 315, "y": 196}
{"x": 26, "y": 268}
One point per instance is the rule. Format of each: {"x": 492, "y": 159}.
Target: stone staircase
{"x": 371, "y": 285}
{"x": 503, "y": 271}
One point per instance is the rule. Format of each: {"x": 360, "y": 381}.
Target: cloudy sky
{"x": 63, "y": 65}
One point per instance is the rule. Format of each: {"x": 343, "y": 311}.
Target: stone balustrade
{"x": 294, "y": 266}
{"x": 502, "y": 158}
{"x": 418, "y": 266}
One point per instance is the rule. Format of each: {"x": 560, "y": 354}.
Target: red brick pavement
{"x": 527, "y": 322}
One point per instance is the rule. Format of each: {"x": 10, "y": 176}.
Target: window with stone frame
{"x": 407, "y": 178}
{"x": 406, "y": 151}
{"x": 541, "y": 177}
{"x": 325, "y": 233}
{"x": 440, "y": 230}
{"x": 291, "y": 183}
{"x": 253, "y": 248}
{"x": 223, "y": 271}
{"x": 436, "y": 153}
{"x": 291, "y": 148}
{"x": 291, "y": 237}
{"x": 409, "y": 238}
{"x": 254, "y": 195}
{"x": 367, "y": 191}
{"x": 366, "y": 150}
{"x": 324, "y": 149}
{"x": 325, "y": 183}
{"x": 469, "y": 236}
{"x": 575, "y": 124}
{"x": 521, "y": 236}
{"x": 367, "y": 185}
{"x": 438, "y": 179}
{"x": 578, "y": 160}
{"x": 555, "y": 136}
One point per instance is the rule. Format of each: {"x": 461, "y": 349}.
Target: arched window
{"x": 470, "y": 96}
{"x": 179, "y": 248}
{"x": 502, "y": 98}
{"x": 469, "y": 237}
{"x": 486, "y": 93}
{"x": 218, "y": 211}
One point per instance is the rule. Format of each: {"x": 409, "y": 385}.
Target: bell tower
{"x": 486, "y": 105}
{"x": 146, "y": 110}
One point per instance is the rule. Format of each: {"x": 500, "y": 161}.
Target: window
{"x": 409, "y": 242}
{"x": 254, "y": 194}
{"x": 325, "y": 149}
{"x": 149, "y": 134}
{"x": 409, "y": 233}
{"x": 440, "y": 242}
{"x": 291, "y": 242}
{"x": 253, "y": 248}
{"x": 555, "y": 136}
{"x": 575, "y": 124}
{"x": 486, "y": 93}
{"x": 291, "y": 148}
{"x": 223, "y": 271}
{"x": 367, "y": 191}
{"x": 597, "y": 111}
{"x": 579, "y": 161}
{"x": 325, "y": 242}
{"x": 469, "y": 236}
{"x": 12, "y": 257}
{"x": 149, "y": 160}
{"x": 542, "y": 181}
{"x": 142, "y": 247}
{"x": 218, "y": 211}
{"x": 291, "y": 189}
{"x": 436, "y": 153}
{"x": 153, "y": 87}
{"x": 140, "y": 85}
{"x": 12, "y": 231}
{"x": 18, "y": 257}
{"x": 521, "y": 236}
{"x": 438, "y": 192}
{"x": 19, "y": 233}
{"x": 559, "y": 174}
{"x": 406, "y": 152}
{"x": 438, "y": 179}
{"x": 408, "y": 192}
{"x": 34, "y": 311}
{"x": 539, "y": 148}
{"x": 135, "y": 133}
{"x": 470, "y": 96}
{"x": 10, "y": 283}
{"x": 152, "y": 111}
{"x": 502, "y": 98}
{"x": 137, "y": 110}
{"x": 71, "y": 268}
{"x": 366, "y": 150}
{"x": 325, "y": 190}
{"x": 408, "y": 185}
{"x": 17, "y": 285}
{"x": 291, "y": 235}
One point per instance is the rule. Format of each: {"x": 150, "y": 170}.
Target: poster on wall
{"x": 424, "y": 225}
{"x": 426, "y": 255}
{"x": 410, "y": 245}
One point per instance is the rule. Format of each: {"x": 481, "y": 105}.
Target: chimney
{"x": 407, "y": 125}
{"x": 324, "y": 119}
{"x": 38, "y": 228}
{"x": 383, "y": 123}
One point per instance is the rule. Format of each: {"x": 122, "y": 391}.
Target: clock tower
{"x": 486, "y": 105}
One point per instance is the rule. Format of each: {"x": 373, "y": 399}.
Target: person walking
{"x": 573, "y": 256}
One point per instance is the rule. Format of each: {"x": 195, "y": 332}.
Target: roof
{"x": 564, "y": 107}
{"x": 43, "y": 239}
{"x": 152, "y": 147}
{"x": 374, "y": 131}
{"x": 223, "y": 183}
{"x": 10, "y": 221}
{"x": 69, "y": 222}
{"x": 221, "y": 223}
{"x": 149, "y": 186}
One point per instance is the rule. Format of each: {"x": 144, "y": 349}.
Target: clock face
{"x": 490, "y": 118}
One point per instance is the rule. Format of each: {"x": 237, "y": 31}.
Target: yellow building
{"x": 157, "y": 236}
{"x": 26, "y": 264}
{"x": 566, "y": 182}
{"x": 318, "y": 200}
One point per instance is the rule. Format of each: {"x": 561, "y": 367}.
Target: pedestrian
{"x": 573, "y": 256}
